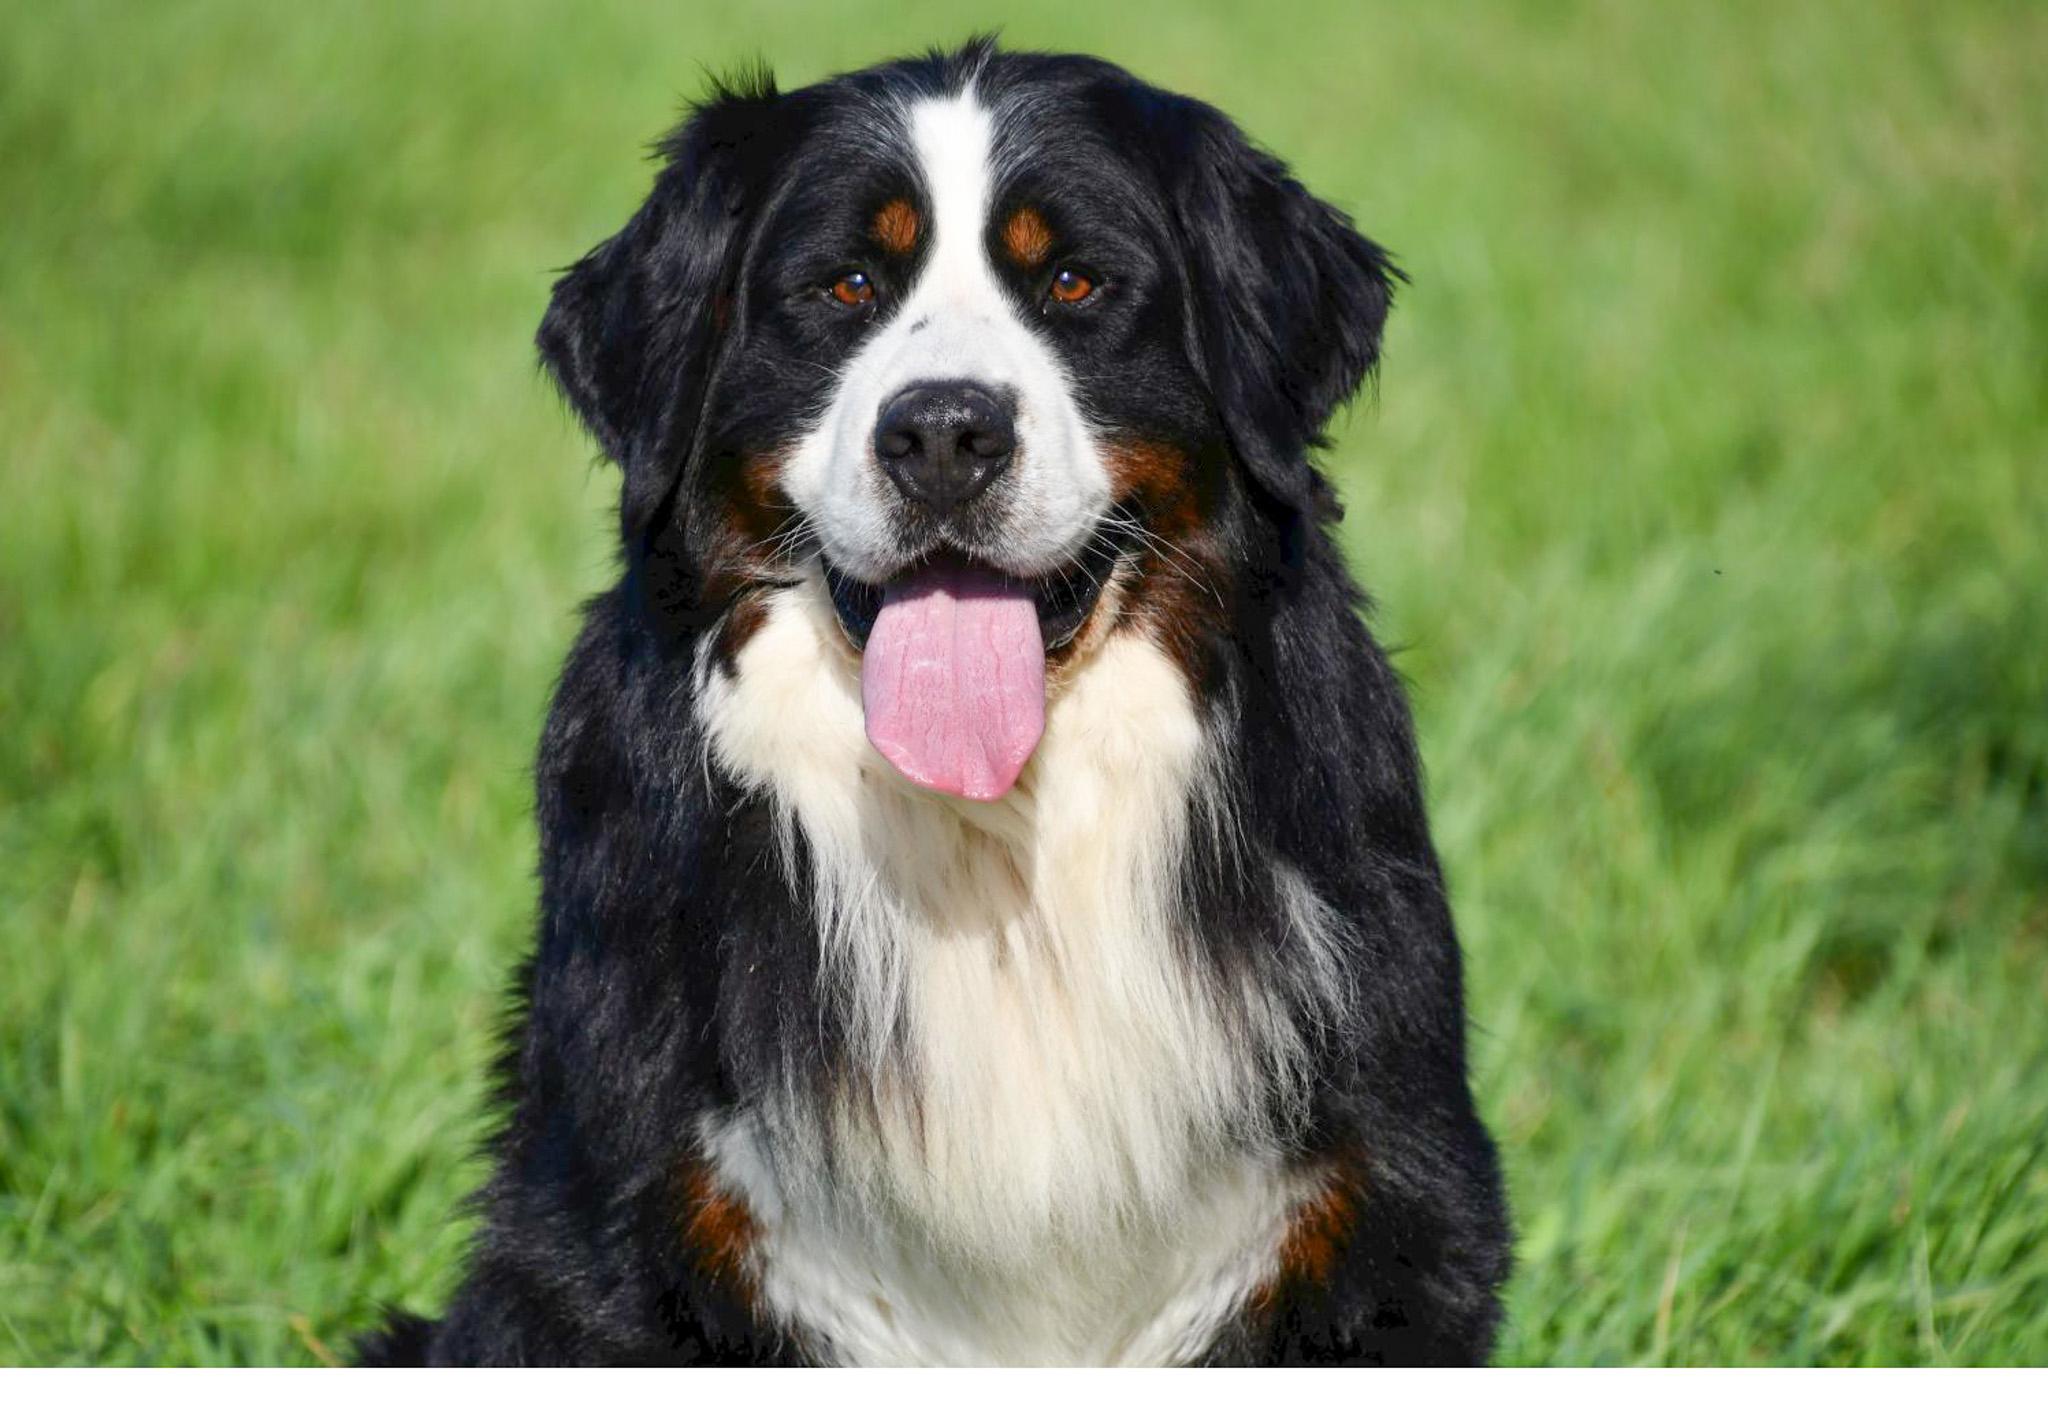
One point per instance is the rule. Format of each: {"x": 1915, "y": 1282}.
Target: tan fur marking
{"x": 762, "y": 476}
{"x": 1148, "y": 469}
{"x": 1316, "y": 1235}
{"x": 1027, "y": 239}
{"x": 757, "y": 514}
{"x": 719, "y": 1230}
{"x": 1176, "y": 593}
{"x": 895, "y": 227}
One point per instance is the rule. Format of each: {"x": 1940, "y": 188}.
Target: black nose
{"x": 945, "y": 442}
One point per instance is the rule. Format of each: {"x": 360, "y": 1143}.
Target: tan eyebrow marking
{"x": 895, "y": 227}
{"x": 1027, "y": 239}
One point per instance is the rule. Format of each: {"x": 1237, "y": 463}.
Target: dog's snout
{"x": 942, "y": 443}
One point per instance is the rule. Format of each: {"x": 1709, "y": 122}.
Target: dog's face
{"x": 964, "y": 332}
{"x": 1003, "y": 352}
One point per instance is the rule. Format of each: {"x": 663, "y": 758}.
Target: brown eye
{"x": 1070, "y": 286}
{"x": 854, "y": 289}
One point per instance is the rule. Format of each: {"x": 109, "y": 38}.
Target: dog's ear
{"x": 633, "y": 332}
{"x": 1286, "y": 301}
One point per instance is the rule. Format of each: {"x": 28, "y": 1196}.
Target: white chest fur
{"x": 1053, "y": 1151}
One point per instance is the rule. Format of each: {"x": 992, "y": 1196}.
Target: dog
{"x": 988, "y": 914}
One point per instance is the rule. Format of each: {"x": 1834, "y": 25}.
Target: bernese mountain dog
{"x": 987, "y": 910}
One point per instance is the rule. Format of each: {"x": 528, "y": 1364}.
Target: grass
{"x": 1706, "y": 494}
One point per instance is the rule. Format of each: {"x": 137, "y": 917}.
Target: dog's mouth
{"x": 1063, "y": 598}
{"x": 953, "y": 657}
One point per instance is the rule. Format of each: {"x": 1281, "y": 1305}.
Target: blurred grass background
{"x": 1706, "y": 496}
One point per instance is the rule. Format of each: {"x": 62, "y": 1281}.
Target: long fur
{"x": 1159, "y": 1058}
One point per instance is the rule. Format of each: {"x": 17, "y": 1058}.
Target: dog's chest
{"x": 855, "y": 1281}
{"x": 1046, "y": 1149}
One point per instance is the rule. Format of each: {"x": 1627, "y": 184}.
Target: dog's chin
{"x": 1066, "y": 596}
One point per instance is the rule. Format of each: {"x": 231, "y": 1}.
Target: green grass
{"x": 1706, "y": 495}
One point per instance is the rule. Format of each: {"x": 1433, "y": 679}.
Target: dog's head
{"x": 1002, "y": 351}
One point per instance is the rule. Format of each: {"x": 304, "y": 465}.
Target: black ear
{"x": 633, "y": 332}
{"x": 1286, "y": 301}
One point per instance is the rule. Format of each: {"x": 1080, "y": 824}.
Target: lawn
{"x": 1705, "y": 496}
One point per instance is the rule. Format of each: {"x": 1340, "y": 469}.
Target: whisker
{"x": 1192, "y": 574}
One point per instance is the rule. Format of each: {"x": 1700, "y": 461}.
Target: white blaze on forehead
{"x": 954, "y": 139}
{"x": 956, "y": 322}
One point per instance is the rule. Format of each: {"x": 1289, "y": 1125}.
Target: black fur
{"x": 675, "y": 971}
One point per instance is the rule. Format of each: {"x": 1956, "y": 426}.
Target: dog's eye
{"x": 1070, "y": 286}
{"x": 854, "y": 289}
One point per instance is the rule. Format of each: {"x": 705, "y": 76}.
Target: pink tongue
{"x": 953, "y": 681}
